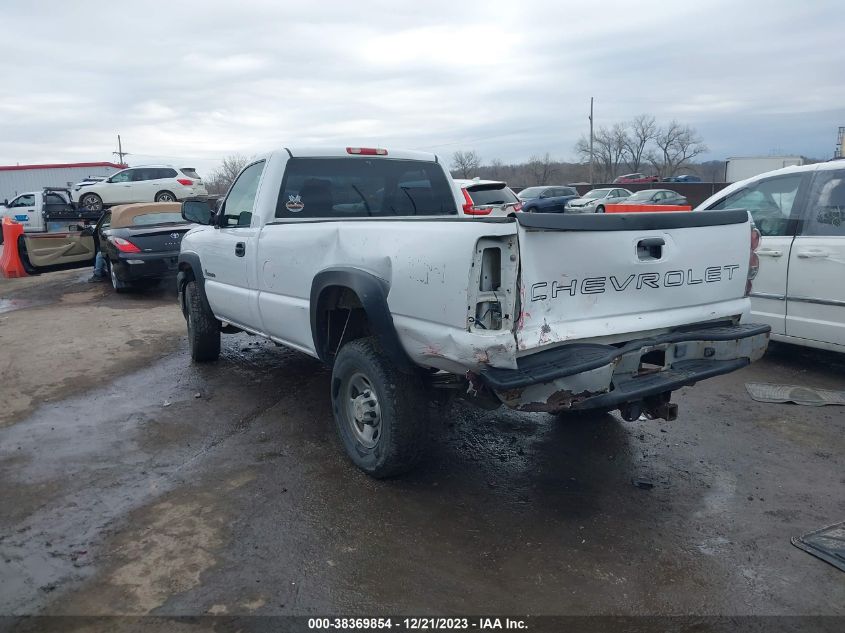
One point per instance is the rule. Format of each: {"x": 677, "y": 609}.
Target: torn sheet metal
{"x": 807, "y": 396}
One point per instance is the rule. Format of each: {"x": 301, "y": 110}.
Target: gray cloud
{"x": 191, "y": 82}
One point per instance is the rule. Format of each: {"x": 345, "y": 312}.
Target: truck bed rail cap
{"x": 629, "y": 222}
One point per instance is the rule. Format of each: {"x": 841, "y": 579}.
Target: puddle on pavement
{"x": 10, "y": 305}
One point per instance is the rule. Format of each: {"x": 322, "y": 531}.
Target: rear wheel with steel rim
{"x": 380, "y": 412}
{"x": 165, "y": 196}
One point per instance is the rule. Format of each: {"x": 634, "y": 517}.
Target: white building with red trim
{"x": 16, "y": 179}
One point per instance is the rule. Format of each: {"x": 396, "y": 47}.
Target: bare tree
{"x": 542, "y": 168}
{"x": 676, "y": 145}
{"x": 641, "y": 131}
{"x": 223, "y": 177}
{"x": 608, "y": 150}
{"x": 497, "y": 168}
{"x": 465, "y": 163}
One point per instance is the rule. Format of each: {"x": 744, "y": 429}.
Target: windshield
{"x": 531, "y": 192}
{"x": 596, "y": 193}
{"x": 642, "y": 195}
{"x": 157, "y": 218}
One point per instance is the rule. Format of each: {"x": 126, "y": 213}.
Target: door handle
{"x": 240, "y": 249}
{"x": 812, "y": 254}
{"x": 768, "y": 252}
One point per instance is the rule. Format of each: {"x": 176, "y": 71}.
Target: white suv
{"x": 150, "y": 183}
{"x": 800, "y": 212}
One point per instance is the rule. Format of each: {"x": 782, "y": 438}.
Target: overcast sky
{"x": 188, "y": 83}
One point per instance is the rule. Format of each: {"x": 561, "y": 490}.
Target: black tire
{"x": 600, "y": 208}
{"x": 165, "y": 196}
{"x": 203, "y": 328}
{"x": 91, "y": 201}
{"x": 399, "y": 439}
{"x": 119, "y": 286}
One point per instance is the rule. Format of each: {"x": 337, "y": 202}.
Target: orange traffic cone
{"x": 10, "y": 261}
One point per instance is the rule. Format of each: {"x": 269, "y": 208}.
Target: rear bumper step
{"x": 588, "y": 375}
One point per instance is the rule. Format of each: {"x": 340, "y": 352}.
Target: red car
{"x": 628, "y": 179}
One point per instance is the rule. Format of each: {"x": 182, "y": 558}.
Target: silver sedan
{"x": 594, "y": 201}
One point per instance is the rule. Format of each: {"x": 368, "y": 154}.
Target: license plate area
{"x": 651, "y": 362}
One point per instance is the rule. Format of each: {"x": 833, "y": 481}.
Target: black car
{"x": 140, "y": 242}
{"x": 656, "y": 196}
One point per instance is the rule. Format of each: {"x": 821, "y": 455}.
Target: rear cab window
{"x": 360, "y": 188}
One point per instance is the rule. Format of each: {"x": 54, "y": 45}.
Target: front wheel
{"x": 203, "y": 328}
{"x": 380, "y": 413}
{"x": 92, "y": 202}
{"x": 600, "y": 208}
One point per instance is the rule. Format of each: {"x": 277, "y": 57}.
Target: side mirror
{"x": 5, "y": 202}
{"x": 197, "y": 211}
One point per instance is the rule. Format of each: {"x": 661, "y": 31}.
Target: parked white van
{"x": 800, "y": 288}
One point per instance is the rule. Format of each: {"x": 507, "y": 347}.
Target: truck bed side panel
{"x": 426, "y": 263}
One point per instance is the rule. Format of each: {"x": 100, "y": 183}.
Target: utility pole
{"x": 120, "y": 153}
{"x": 591, "y": 140}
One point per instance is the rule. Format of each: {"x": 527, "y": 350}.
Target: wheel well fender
{"x": 372, "y": 293}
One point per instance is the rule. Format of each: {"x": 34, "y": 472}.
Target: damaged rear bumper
{"x": 588, "y": 375}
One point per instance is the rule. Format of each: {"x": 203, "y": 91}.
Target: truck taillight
{"x": 185, "y": 181}
{"x": 124, "y": 246}
{"x": 517, "y": 207}
{"x": 471, "y": 209}
{"x": 753, "y": 259}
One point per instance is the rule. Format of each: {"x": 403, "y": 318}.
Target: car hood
{"x": 582, "y": 201}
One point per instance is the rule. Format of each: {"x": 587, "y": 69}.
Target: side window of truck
{"x": 771, "y": 203}
{"x": 826, "y": 204}
{"x": 24, "y": 201}
{"x": 237, "y": 209}
{"x": 358, "y": 188}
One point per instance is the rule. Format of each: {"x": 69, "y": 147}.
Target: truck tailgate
{"x": 591, "y": 276}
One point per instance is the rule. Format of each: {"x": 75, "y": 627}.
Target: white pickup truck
{"x": 362, "y": 258}
{"x": 47, "y": 211}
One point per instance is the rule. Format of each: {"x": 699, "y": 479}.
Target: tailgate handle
{"x": 240, "y": 249}
{"x": 650, "y": 248}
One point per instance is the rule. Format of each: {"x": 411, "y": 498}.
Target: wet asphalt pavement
{"x": 221, "y": 489}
